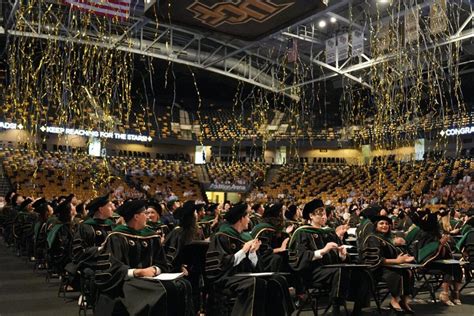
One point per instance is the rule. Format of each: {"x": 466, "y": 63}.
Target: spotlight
{"x": 322, "y": 24}
{"x": 333, "y": 20}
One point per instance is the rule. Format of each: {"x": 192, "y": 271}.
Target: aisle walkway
{"x": 24, "y": 292}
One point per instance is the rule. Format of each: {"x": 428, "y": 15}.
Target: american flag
{"x": 110, "y": 8}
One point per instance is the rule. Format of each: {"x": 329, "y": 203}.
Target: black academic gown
{"x": 89, "y": 236}
{"x": 428, "y": 249}
{"x": 59, "y": 245}
{"x": 304, "y": 242}
{"x": 255, "y": 295}
{"x": 41, "y": 243}
{"x": 376, "y": 248}
{"x": 271, "y": 236}
{"x": 24, "y": 232}
{"x": 126, "y": 249}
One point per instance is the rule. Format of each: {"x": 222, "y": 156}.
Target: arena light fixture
{"x": 322, "y": 24}
{"x": 333, "y": 20}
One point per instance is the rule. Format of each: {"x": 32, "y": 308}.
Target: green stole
{"x": 259, "y": 227}
{"x": 309, "y": 229}
{"x": 229, "y": 230}
{"x": 99, "y": 222}
{"x": 465, "y": 229}
{"x": 52, "y": 233}
{"x": 145, "y": 232}
{"x": 427, "y": 251}
{"x": 411, "y": 235}
{"x": 460, "y": 243}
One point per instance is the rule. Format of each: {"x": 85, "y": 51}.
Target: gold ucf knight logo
{"x": 236, "y": 12}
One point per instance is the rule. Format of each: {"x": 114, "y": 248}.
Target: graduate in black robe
{"x": 91, "y": 233}
{"x": 61, "y": 235}
{"x": 271, "y": 232}
{"x": 24, "y": 228}
{"x": 378, "y": 249}
{"x": 431, "y": 246}
{"x": 313, "y": 246}
{"x": 233, "y": 251}
{"x": 154, "y": 211}
{"x": 44, "y": 211}
{"x": 185, "y": 247}
{"x": 130, "y": 253}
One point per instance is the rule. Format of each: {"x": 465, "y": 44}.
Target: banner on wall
{"x": 244, "y": 19}
{"x": 226, "y": 187}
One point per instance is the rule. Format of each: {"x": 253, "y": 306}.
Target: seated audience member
{"x": 44, "y": 210}
{"x": 313, "y": 246}
{"x": 61, "y": 235}
{"x": 168, "y": 217}
{"x": 24, "y": 228}
{"x": 154, "y": 211}
{"x": 378, "y": 249}
{"x": 131, "y": 252}
{"x": 91, "y": 233}
{"x": 233, "y": 251}
{"x": 271, "y": 231}
{"x": 430, "y": 246}
{"x": 180, "y": 240}
{"x": 211, "y": 221}
{"x": 467, "y": 236}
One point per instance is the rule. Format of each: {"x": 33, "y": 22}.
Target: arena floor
{"x": 25, "y": 292}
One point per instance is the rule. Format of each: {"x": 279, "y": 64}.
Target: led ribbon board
{"x": 81, "y": 132}
{"x": 244, "y": 19}
{"x": 458, "y": 131}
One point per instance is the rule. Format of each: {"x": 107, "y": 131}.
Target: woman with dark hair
{"x": 431, "y": 246}
{"x": 378, "y": 249}
{"x": 61, "y": 235}
{"x": 271, "y": 231}
{"x": 178, "y": 245}
{"x": 187, "y": 232}
{"x": 44, "y": 211}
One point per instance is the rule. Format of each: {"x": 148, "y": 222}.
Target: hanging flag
{"x": 343, "y": 46}
{"x": 110, "y": 8}
{"x": 331, "y": 50}
{"x": 357, "y": 43}
{"x": 293, "y": 51}
{"x": 412, "y": 25}
{"x": 438, "y": 17}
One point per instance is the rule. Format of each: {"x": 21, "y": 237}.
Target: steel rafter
{"x": 168, "y": 42}
{"x": 461, "y": 34}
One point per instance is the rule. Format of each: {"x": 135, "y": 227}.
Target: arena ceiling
{"x": 264, "y": 62}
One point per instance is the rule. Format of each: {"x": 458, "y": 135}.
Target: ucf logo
{"x": 236, "y": 12}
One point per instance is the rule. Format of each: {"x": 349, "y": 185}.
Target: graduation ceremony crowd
{"x": 113, "y": 253}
